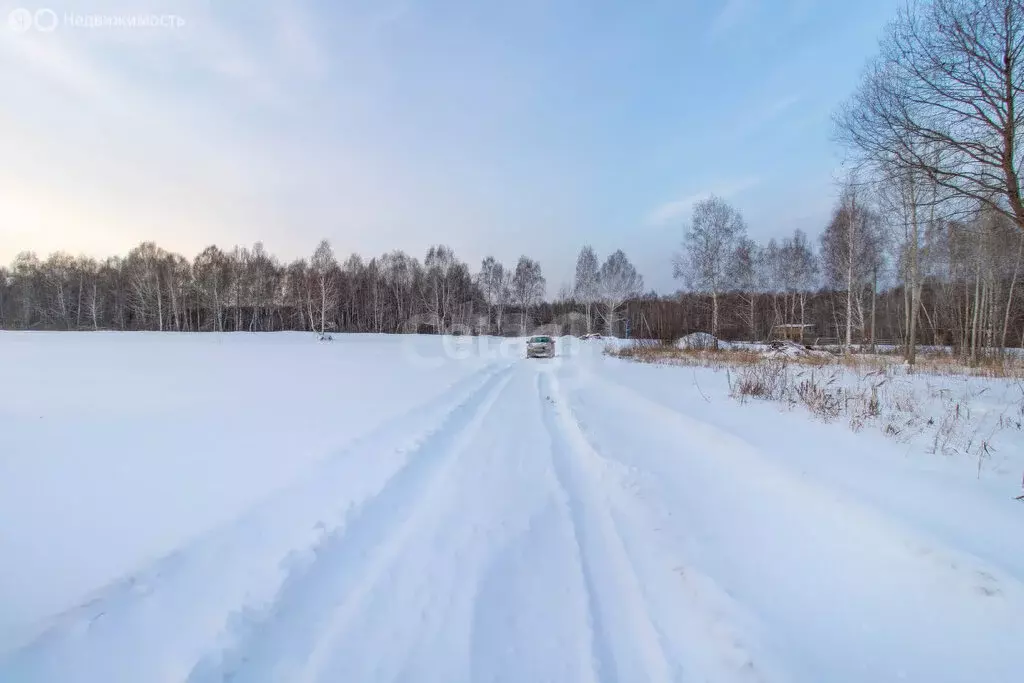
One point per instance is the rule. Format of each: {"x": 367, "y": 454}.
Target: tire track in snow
{"x": 109, "y": 635}
{"x": 626, "y": 643}
{"x": 704, "y": 634}
{"x": 291, "y": 639}
{"x": 984, "y": 575}
{"x": 822, "y": 534}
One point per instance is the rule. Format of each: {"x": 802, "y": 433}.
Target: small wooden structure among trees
{"x": 794, "y": 332}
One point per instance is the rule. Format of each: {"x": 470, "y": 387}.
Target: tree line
{"x": 850, "y": 286}
{"x": 251, "y": 290}
{"x": 863, "y": 284}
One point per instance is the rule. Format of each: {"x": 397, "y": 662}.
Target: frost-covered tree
{"x": 527, "y": 287}
{"x": 744, "y": 277}
{"x": 709, "y": 248}
{"x": 617, "y": 282}
{"x": 399, "y": 273}
{"x": 145, "y": 267}
{"x": 851, "y": 248}
{"x": 323, "y": 268}
{"x": 585, "y": 288}
{"x": 439, "y": 266}
{"x": 494, "y": 283}
{"x": 210, "y": 269}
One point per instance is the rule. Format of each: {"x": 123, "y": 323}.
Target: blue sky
{"x": 495, "y": 127}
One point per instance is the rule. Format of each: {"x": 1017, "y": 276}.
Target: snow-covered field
{"x": 269, "y": 508}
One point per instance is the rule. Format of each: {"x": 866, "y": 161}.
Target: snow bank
{"x": 699, "y": 341}
{"x": 790, "y": 349}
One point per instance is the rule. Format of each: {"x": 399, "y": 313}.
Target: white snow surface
{"x": 264, "y": 507}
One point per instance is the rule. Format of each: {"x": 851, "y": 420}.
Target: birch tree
{"x": 585, "y": 288}
{"x": 323, "y": 269}
{"x": 210, "y": 269}
{"x": 849, "y": 252}
{"x": 708, "y": 249}
{"x": 745, "y": 279}
{"x": 527, "y": 288}
{"x": 493, "y": 283}
{"x": 617, "y": 282}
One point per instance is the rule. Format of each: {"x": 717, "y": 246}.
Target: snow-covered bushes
{"x": 953, "y": 415}
{"x": 765, "y": 380}
{"x": 701, "y": 341}
{"x": 790, "y": 349}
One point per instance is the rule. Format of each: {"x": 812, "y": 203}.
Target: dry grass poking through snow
{"x": 942, "y": 403}
{"x": 928, "y": 362}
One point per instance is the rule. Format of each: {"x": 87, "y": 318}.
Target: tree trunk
{"x": 1009, "y": 298}
{"x": 174, "y": 308}
{"x": 849, "y": 276}
{"x": 159, "y": 304}
{"x": 849, "y": 309}
{"x": 78, "y": 312}
{"x": 977, "y": 313}
{"x": 323, "y": 307}
{"x": 753, "y": 318}
{"x": 714, "y": 314}
{"x": 874, "y": 290}
{"x": 964, "y": 321}
{"x": 915, "y": 299}
{"x": 95, "y": 305}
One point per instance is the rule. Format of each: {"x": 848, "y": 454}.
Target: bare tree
{"x": 906, "y": 198}
{"x": 494, "y": 285}
{"x": 709, "y": 247}
{"x": 177, "y": 274}
{"x": 850, "y": 248}
{"x": 564, "y": 295}
{"x": 617, "y": 282}
{"x": 585, "y": 288}
{"x": 323, "y": 268}
{"x": 744, "y": 278}
{"x": 144, "y": 264}
{"x": 503, "y": 297}
{"x": 437, "y": 293}
{"x": 57, "y": 274}
{"x": 942, "y": 101}
{"x": 264, "y": 284}
{"x": 800, "y": 267}
{"x": 527, "y": 287}
{"x": 26, "y": 272}
{"x": 399, "y": 273}
{"x": 210, "y": 269}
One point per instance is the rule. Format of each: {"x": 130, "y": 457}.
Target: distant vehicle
{"x": 540, "y": 347}
{"x": 592, "y": 335}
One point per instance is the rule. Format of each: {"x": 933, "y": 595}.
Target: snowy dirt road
{"x": 558, "y": 521}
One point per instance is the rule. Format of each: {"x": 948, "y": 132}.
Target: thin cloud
{"x": 298, "y": 46}
{"x": 677, "y": 210}
{"x": 730, "y": 16}
{"x": 779, "y": 106}
{"x": 760, "y": 116}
